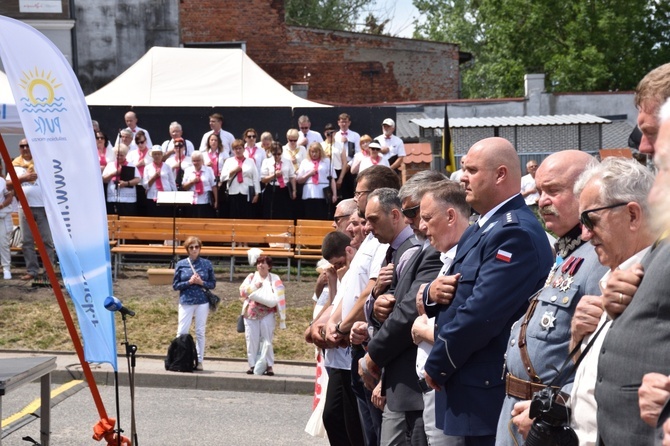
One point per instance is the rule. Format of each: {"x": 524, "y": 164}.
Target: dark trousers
{"x": 371, "y": 417}
{"x": 340, "y": 412}
{"x": 488, "y": 440}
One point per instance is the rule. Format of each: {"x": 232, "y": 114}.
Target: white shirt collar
{"x": 635, "y": 258}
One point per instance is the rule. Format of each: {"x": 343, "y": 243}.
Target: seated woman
{"x": 121, "y": 179}
{"x": 262, "y": 294}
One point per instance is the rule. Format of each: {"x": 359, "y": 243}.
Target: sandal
{"x": 250, "y": 372}
{"x": 269, "y": 373}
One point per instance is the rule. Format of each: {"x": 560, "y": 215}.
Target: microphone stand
{"x": 131, "y": 350}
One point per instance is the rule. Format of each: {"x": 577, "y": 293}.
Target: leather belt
{"x": 520, "y": 388}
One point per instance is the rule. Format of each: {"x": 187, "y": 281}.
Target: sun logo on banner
{"x": 41, "y": 91}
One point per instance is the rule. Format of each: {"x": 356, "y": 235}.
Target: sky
{"x": 402, "y": 14}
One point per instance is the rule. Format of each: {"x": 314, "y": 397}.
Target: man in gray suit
{"x": 391, "y": 347}
{"x": 615, "y": 219}
{"x": 655, "y": 390}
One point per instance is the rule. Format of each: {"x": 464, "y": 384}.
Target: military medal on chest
{"x": 553, "y": 270}
{"x": 568, "y": 271}
{"x": 547, "y": 320}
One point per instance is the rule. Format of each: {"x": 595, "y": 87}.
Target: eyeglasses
{"x": 337, "y": 218}
{"x": 100, "y": 137}
{"x": 251, "y": 136}
{"x": 585, "y": 220}
{"x": 358, "y": 193}
{"x": 292, "y": 140}
{"x": 410, "y": 212}
{"x": 138, "y": 141}
{"x": 376, "y": 149}
{"x": 24, "y": 146}
{"x": 179, "y": 145}
{"x": 329, "y": 133}
{"x": 193, "y": 247}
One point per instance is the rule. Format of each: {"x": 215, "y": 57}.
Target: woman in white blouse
{"x": 316, "y": 173}
{"x": 241, "y": 177}
{"x": 370, "y": 155}
{"x": 280, "y": 191}
{"x": 121, "y": 192}
{"x": 335, "y": 151}
{"x": 200, "y": 179}
{"x": 214, "y": 158}
{"x": 157, "y": 177}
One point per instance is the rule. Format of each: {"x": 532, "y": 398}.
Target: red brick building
{"x": 344, "y": 67}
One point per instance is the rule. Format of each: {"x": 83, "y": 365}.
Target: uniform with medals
{"x": 544, "y": 331}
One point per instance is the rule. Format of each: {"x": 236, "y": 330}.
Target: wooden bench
{"x": 221, "y": 237}
{"x": 275, "y": 238}
{"x": 309, "y": 236}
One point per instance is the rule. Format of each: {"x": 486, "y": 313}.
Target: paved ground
{"x": 221, "y": 405}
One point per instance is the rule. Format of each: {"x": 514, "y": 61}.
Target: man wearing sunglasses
{"x": 540, "y": 339}
{"x": 391, "y": 347}
{"x": 30, "y": 183}
{"x": 615, "y": 220}
{"x": 309, "y": 135}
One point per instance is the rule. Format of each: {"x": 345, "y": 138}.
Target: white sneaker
{"x": 7, "y": 275}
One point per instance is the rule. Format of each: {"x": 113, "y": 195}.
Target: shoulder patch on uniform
{"x": 510, "y": 218}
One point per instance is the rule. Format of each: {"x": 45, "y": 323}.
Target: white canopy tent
{"x": 9, "y": 116}
{"x": 196, "y": 77}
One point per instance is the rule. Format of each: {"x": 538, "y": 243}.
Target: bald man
{"x": 546, "y": 333}
{"x": 501, "y": 259}
{"x": 131, "y": 121}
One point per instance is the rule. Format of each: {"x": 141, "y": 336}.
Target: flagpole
{"x": 53, "y": 280}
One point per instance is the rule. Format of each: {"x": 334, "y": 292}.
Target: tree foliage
{"x": 325, "y": 14}
{"x": 580, "y": 45}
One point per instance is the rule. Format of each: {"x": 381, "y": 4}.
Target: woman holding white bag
{"x": 263, "y": 295}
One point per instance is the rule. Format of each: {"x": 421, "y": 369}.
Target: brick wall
{"x": 345, "y": 68}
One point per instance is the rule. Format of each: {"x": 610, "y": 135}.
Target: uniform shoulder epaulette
{"x": 510, "y": 218}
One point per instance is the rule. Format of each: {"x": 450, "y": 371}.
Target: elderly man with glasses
{"x": 168, "y": 145}
{"x": 615, "y": 219}
{"x": 306, "y": 133}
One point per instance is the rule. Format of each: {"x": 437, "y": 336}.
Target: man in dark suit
{"x": 391, "y": 348}
{"x": 501, "y": 260}
{"x": 386, "y": 223}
